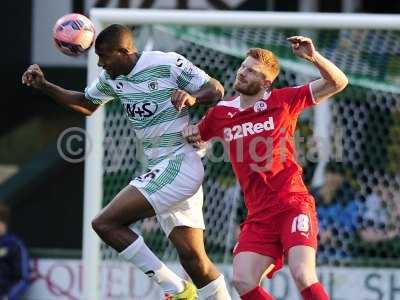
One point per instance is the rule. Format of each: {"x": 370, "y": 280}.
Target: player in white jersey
{"x": 155, "y": 89}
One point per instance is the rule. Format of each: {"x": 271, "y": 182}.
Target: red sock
{"x": 314, "y": 292}
{"x": 257, "y": 294}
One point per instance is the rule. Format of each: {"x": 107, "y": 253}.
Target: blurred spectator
{"x": 14, "y": 264}
{"x": 381, "y": 215}
{"x": 378, "y": 237}
{"x": 339, "y": 214}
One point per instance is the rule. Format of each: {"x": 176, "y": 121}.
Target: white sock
{"x": 215, "y": 290}
{"x": 143, "y": 258}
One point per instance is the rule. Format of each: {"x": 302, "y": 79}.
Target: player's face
{"x": 111, "y": 60}
{"x": 249, "y": 78}
{"x": 333, "y": 180}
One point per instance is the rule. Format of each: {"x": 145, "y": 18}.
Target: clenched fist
{"x": 303, "y": 47}
{"x": 191, "y": 134}
{"x": 33, "y": 77}
{"x": 180, "y": 99}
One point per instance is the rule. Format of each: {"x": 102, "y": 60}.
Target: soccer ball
{"x": 73, "y": 34}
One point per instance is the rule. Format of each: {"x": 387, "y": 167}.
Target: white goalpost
{"x": 322, "y": 119}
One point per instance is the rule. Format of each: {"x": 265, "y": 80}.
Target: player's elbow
{"x": 84, "y": 111}
{"x": 341, "y": 83}
{"x": 335, "y": 86}
{"x": 87, "y": 113}
{"x": 218, "y": 89}
{"x": 89, "y": 109}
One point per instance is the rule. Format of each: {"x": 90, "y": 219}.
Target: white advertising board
{"x": 60, "y": 279}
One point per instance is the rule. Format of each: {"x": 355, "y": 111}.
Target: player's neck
{"x": 134, "y": 59}
{"x": 249, "y": 100}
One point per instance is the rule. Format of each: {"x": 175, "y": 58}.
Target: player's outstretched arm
{"x": 333, "y": 79}
{"x": 34, "y": 77}
{"x": 211, "y": 91}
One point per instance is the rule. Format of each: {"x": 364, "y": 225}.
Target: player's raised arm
{"x": 333, "y": 79}
{"x": 193, "y": 84}
{"x": 210, "y": 91}
{"x": 34, "y": 77}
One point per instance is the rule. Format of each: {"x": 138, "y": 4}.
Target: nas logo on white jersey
{"x": 141, "y": 110}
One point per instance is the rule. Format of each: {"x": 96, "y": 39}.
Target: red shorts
{"x": 295, "y": 225}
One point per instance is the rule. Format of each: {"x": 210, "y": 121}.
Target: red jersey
{"x": 261, "y": 143}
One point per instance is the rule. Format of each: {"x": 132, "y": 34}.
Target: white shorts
{"x": 173, "y": 188}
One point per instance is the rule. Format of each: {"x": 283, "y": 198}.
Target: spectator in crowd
{"x": 352, "y": 225}
{"x": 381, "y": 229}
{"x": 339, "y": 214}
{"x": 377, "y": 218}
{"x": 377, "y": 237}
{"x": 14, "y": 265}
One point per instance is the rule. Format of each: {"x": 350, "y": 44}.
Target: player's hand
{"x": 192, "y": 135}
{"x": 180, "y": 99}
{"x": 303, "y": 47}
{"x": 33, "y": 77}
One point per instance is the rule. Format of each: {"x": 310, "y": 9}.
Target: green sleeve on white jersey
{"x": 100, "y": 91}
{"x": 188, "y": 77}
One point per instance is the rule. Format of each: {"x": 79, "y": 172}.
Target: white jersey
{"x": 145, "y": 94}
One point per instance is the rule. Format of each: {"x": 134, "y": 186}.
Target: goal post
{"x": 215, "y": 39}
{"x": 93, "y": 188}
{"x": 246, "y": 18}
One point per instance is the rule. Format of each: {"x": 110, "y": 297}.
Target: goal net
{"x": 349, "y": 146}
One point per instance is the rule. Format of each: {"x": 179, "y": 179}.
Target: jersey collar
{"x": 135, "y": 68}
{"x": 235, "y": 103}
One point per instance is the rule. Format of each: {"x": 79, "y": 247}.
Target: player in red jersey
{"x": 258, "y": 128}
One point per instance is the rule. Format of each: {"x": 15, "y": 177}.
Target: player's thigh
{"x": 299, "y": 224}
{"x": 299, "y": 238}
{"x": 189, "y": 213}
{"x": 302, "y": 257}
{"x": 260, "y": 237}
{"x": 127, "y": 207}
{"x": 301, "y": 260}
{"x": 248, "y": 270}
{"x": 171, "y": 182}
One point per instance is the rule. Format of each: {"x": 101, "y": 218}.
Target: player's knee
{"x": 303, "y": 275}
{"x": 244, "y": 283}
{"x": 99, "y": 226}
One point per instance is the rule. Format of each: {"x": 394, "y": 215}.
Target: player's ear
{"x": 124, "y": 51}
{"x": 267, "y": 84}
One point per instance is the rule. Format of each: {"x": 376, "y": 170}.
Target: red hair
{"x": 268, "y": 60}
